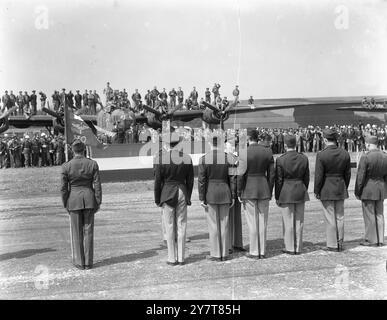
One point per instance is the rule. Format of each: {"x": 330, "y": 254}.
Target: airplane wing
{"x": 363, "y": 109}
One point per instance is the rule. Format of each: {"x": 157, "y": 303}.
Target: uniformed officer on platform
{"x": 255, "y": 189}
{"x": 370, "y": 188}
{"x": 82, "y": 197}
{"x": 217, "y": 194}
{"x": 291, "y": 192}
{"x": 332, "y": 176}
{"x": 174, "y": 179}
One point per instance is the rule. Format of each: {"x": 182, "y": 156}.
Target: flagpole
{"x": 65, "y": 129}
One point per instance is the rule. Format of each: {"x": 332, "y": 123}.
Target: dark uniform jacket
{"x": 372, "y": 176}
{"x": 81, "y": 185}
{"x": 216, "y": 181}
{"x": 292, "y": 178}
{"x": 332, "y": 173}
{"x": 170, "y": 177}
{"x": 257, "y": 182}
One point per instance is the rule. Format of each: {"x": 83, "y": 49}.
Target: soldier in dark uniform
{"x": 331, "y": 181}
{"x": 174, "y": 180}
{"x": 172, "y": 98}
{"x": 12, "y": 98}
{"x": 291, "y": 192}
{"x": 3, "y": 153}
{"x": 52, "y": 151}
{"x": 91, "y": 103}
{"x": 163, "y": 97}
{"x": 207, "y": 95}
{"x": 62, "y": 98}
{"x": 20, "y": 102}
{"x": 56, "y": 100}
{"x": 60, "y": 155}
{"x": 6, "y": 100}
{"x": 180, "y": 96}
{"x": 217, "y": 194}
{"x": 70, "y": 99}
{"x": 33, "y": 101}
{"x": 26, "y": 147}
{"x": 26, "y": 103}
{"x": 154, "y": 96}
{"x": 81, "y": 196}
{"x": 194, "y": 95}
{"x": 35, "y": 151}
{"x": 84, "y": 98}
{"x": 215, "y": 91}
{"x": 44, "y": 147}
{"x": 14, "y": 148}
{"x": 148, "y": 98}
{"x": 78, "y": 100}
{"x": 136, "y": 97}
{"x": 370, "y": 188}
{"x": 43, "y": 99}
{"x": 255, "y": 189}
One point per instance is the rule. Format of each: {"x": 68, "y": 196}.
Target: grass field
{"x": 130, "y": 261}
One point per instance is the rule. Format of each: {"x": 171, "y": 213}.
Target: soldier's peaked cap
{"x": 290, "y": 140}
{"x": 371, "y": 140}
{"x": 329, "y": 134}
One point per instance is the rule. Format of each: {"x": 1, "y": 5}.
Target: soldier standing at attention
{"x": 255, "y": 189}
{"x": 63, "y": 98}
{"x": 35, "y": 151}
{"x": 172, "y": 98}
{"x": 215, "y": 91}
{"x": 331, "y": 181}
{"x": 78, "y": 100}
{"x": 180, "y": 96}
{"x": 43, "y": 99}
{"x": 33, "y": 98}
{"x": 370, "y": 188}
{"x": 91, "y": 103}
{"x": 217, "y": 194}
{"x": 20, "y": 103}
{"x": 163, "y": 97}
{"x": 81, "y": 196}
{"x": 291, "y": 192}
{"x": 136, "y": 97}
{"x": 194, "y": 96}
{"x": 108, "y": 91}
{"x": 174, "y": 180}
{"x": 154, "y": 96}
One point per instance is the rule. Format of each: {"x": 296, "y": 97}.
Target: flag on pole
{"x": 77, "y": 128}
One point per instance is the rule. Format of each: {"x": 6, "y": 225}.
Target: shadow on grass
{"x": 129, "y": 257}
{"x": 24, "y": 253}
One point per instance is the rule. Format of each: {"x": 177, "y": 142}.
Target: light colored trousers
{"x": 175, "y": 223}
{"x": 330, "y": 207}
{"x": 218, "y": 229}
{"x": 257, "y": 212}
{"x": 293, "y": 225}
{"x": 373, "y": 215}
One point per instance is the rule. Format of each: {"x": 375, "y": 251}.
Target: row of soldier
{"x": 224, "y": 183}
{"x": 37, "y": 151}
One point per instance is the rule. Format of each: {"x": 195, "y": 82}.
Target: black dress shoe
{"x": 171, "y": 263}
{"x": 88, "y": 267}
{"x": 79, "y": 267}
{"x": 226, "y": 258}
{"x": 239, "y": 249}
{"x": 332, "y": 249}
{"x": 181, "y": 263}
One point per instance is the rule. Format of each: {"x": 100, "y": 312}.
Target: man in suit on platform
{"x": 217, "y": 194}
{"x": 174, "y": 180}
{"x": 331, "y": 181}
{"x": 291, "y": 192}
{"x": 371, "y": 189}
{"x": 82, "y": 196}
{"x": 255, "y": 189}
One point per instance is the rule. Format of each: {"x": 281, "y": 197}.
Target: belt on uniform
{"x": 217, "y": 180}
{"x": 292, "y": 179}
{"x": 256, "y": 175}
{"x": 339, "y": 175}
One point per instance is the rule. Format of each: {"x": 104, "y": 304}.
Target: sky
{"x": 271, "y": 49}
